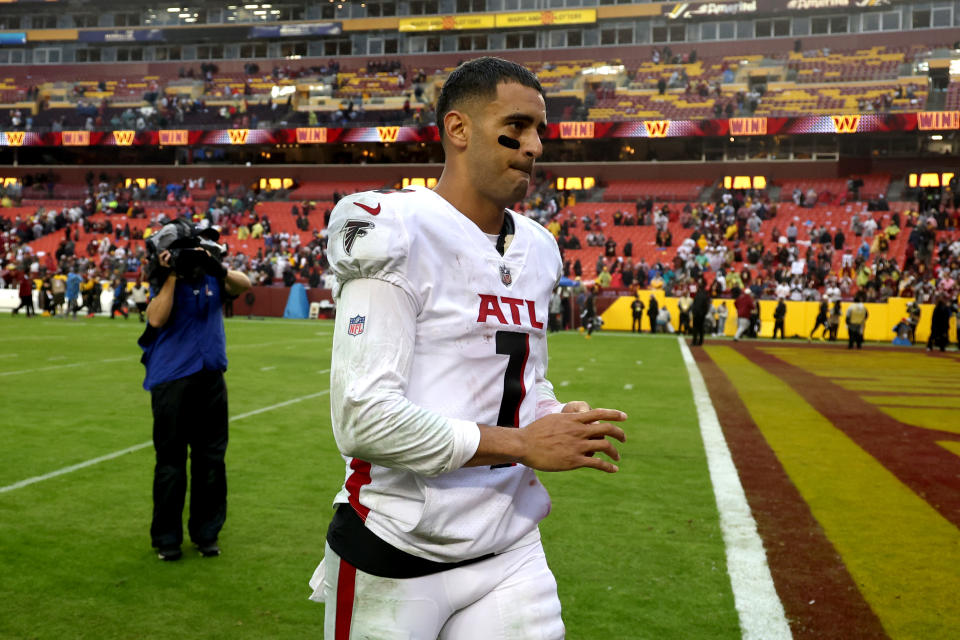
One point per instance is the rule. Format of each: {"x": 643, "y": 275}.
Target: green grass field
{"x": 638, "y": 554}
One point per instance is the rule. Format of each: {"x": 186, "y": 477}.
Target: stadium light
{"x": 276, "y": 183}
{"x": 576, "y": 183}
{"x": 929, "y": 179}
{"x": 605, "y": 70}
{"x": 429, "y": 183}
{"x": 744, "y": 182}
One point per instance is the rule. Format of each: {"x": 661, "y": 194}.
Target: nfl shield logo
{"x": 505, "y": 276}
{"x": 355, "y": 327}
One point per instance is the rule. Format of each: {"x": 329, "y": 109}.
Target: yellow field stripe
{"x": 951, "y": 446}
{"x": 929, "y": 402}
{"x": 900, "y": 551}
{"x": 891, "y": 385}
{"x": 883, "y": 364}
{"x": 930, "y": 418}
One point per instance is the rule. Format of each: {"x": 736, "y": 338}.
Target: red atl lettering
{"x": 514, "y": 308}
{"x": 490, "y": 306}
{"x": 533, "y": 315}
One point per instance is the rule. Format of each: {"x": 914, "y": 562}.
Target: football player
{"x": 439, "y": 398}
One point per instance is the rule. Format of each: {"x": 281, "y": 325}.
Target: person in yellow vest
{"x": 604, "y": 277}
{"x": 856, "y": 320}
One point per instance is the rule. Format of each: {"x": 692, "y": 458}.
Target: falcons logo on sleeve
{"x": 352, "y": 230}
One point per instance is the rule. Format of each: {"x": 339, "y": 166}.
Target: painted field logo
{"x": 75, "y": 138}
{"x": 355, "y": 327}
{"x": 576, "y": 130}
{"x": 933, "y": 120}
{"x": 238, "y": 136}
{"x": 845, "y": 124}
{"x": 173, "y": 136}
{"x": 748, "y": 126}
{"x": 311, "y": 135}
{"x": 124, "y": 138}
{"x": 15, "y": 138}
{"x": 388, "y": 134}
{"x": 657, "y": 128}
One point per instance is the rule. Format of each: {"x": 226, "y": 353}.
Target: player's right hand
{"x": 565, "y": 441}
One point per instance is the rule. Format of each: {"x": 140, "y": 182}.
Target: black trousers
{"x": 855, "y": 336}
{"x": 189, "y": 412}
{"x": 699, "y": 323}
{"x": 778, "y": 326}
{"x": 635, "y": 326}
{"x": 940, "y": 340}
{"x": 25, "y": 301}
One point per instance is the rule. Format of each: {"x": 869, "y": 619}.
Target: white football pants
{"x": 511, "y": 596}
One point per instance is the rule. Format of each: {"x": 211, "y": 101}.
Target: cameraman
{"x": 184, "y": 352}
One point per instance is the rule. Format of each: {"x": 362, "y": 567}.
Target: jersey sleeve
{"x": 367, "y": 238}
{"x": 372, "y": 418}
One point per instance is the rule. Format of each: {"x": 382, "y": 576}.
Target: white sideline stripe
{"x": 143, "y": 445}
{"x": 270, "y": 344}
{"x": 66, "y": 366}
{"x": 758, "y": 605}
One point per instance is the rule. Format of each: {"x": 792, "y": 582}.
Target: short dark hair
{"x": 479, "y": 78}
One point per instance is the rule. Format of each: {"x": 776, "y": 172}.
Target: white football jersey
{"x": 436, "y": 332}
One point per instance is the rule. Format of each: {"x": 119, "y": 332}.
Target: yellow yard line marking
{"x": 900, "y": 551}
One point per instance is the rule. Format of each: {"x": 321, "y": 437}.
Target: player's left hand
{"x": 576, "y": 406}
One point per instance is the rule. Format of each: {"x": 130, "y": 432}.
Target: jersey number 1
{"x": 516, "y": 346}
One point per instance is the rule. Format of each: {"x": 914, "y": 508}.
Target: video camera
{"x": 193, "y": 251}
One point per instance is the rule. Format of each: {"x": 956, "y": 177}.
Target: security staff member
{"x": 184, "y": 352}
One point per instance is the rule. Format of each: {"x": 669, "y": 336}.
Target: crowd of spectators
{"x": 104, "y": 233}
{"x": 724, "y": 246}
{"x": 727, "y": 249}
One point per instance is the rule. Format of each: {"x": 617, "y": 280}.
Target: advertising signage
{"x": 840, "y": 124}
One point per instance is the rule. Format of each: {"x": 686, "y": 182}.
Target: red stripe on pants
{"x": 346, "y": 581}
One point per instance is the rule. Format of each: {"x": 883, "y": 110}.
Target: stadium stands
{"x": 874, "y": 79}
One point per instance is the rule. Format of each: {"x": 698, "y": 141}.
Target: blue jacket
{"x": 192, "y": 340}
{"x": 73, "y": 285}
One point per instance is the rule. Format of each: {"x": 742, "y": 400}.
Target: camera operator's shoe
{"x": 209, "y": 549}
{"x": 169, "y": 554}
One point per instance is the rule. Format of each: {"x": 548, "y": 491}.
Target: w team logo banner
{"x": 355, "y": 327}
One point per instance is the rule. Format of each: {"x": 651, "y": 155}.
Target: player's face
{"x": 503, "y": 174}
